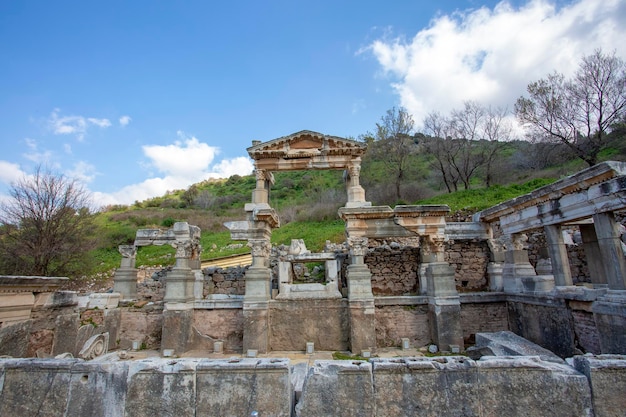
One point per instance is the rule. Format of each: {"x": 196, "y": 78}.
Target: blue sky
{"x": 137, "y": 98}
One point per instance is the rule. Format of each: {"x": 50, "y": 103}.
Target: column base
{"x": 445, "y": 322}
{"x": 125, "y": 283}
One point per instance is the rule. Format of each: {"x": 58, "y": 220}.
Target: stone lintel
{"x": 20, "y": 283}
{"x": 467, "y": 231}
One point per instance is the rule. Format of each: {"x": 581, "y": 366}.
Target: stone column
{"x": 356, "y": 193}
{"x": 179, "y": 283}
{"x": 611, "y": 250}
{"x": 256, "y": 298}
{"x": 592, "y": 254}
{"x": 125, "y": 279}
{"x": 444, "y": 303}
{"x": 558, "y": 255}
{"x": 516, "y": 264}
{"x": 264, "y": 180}
{"x": 361, "y": 298}
{"x": 496, "y": 264}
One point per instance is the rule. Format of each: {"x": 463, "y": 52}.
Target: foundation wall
{"x": 225, "y": 325}
{"x": 483, "y": 318}
{"x": 395, "y": 322}
{"x": 293, "y": 323}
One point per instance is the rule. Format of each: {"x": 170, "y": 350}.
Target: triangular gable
{"x": 305, "y": 144}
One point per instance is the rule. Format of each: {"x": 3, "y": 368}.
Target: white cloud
{"x": 185, "y": 162}
{"x": 73, "y": 125}
{"x": 83, "y": 172}
{"x": 10, "y": 172}
{"x": 491, "y": 55}
{"x": 37, "y": 156}
{"x": 99, "y": 122}
{"x": 125, "y": 120}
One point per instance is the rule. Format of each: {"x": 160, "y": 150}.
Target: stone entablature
{"x": 15, "y": 283}
{"x": 598, "y": 189}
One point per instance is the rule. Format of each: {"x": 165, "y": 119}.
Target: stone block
{"x": 607, "y": 377}
{"x": 97, "y": 389}
{"x": 609, "y": 314}
{"x": 443, "y": 386}
{"x": 161, "y": 387}
{"x": 338, "y": 388}
{"x": 507, "y": 343}
{"x": 15, "y": 307}
{"x": 66, "y": 332}
{"x": 35, "y": 387}
{"x": 528, "y": 386}
{"x": 237, "y": 387}
{"x": 104, "y": 300}
{"x": 14, "y": 339}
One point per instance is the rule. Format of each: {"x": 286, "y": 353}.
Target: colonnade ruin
{"x": 405, "y": 276}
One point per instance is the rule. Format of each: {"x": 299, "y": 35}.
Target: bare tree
{"x": 393, "y": 144}
{"x": 46, "y": 226}
{"x": 578, "y": 112}
{"x": 469, "y": 139}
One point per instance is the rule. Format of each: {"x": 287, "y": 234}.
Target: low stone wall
{"x": 229, "y": 281}
{"x": 394, "y": 269}
{"x": 469, "y": 259}
{"x": 483, "y": 318}
{"x": 446, "y": 386}
{"x": 395, "y": 322}
{"x": 440, "y": 386}
{"x": 225, "y": 325}
{"x": 152, "y": 387}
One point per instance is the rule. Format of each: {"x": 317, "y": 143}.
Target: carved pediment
{"x": 306, "y": 144}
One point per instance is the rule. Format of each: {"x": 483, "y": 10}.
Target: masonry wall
{"x": 469, "y": 259}
{"x": 394, "y": 270}
{"x": 483, "y": 318}
{"x": 221, "y": 324}
{"x": 324, "y": 322}
{"x": 395, "y": 322}
{"x": 229, "y": 281}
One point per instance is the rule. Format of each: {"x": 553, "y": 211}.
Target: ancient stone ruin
{"x": 530, "y": 295}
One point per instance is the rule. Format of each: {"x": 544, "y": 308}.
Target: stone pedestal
{"x": 359, "y": 282}
{"x": 256, "y": 309}
{"x": 125, "y": 283}
{"x": 516, "y": 267}
{"x": 362, "y": 326}
{"x": 444, "y": 306}
{"x": 177, "y": 329}
{"x": 179, "y": 285}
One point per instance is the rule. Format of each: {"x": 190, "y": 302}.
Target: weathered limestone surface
{"x": 225, "y": 325}
{"x": 506, "y": 343}
{"x": 14, "y": 339}
{"x": 440, "y": 386}
{"x": 544, "y": 321}
{"x": 338, "y": 388}
{"x": 143, "y": 325}
{"x": 238, "y": 387}
{"x": 606, "y": 375}
{"x": 296, "y": 322}
{"x": 446, "y": 386}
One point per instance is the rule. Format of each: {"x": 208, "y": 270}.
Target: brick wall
{"x": 487, "y": 317}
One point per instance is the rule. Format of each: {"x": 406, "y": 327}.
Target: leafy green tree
{"x": 46, "y": 226}
{"x": 578, "y": 112}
